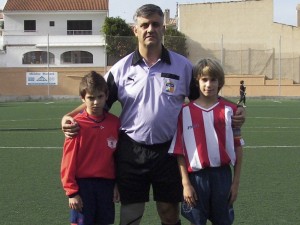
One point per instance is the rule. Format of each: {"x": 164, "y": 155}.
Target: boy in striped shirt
{"x": 206, "y": 145}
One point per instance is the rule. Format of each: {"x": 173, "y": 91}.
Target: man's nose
{"x": 150, "y": 28}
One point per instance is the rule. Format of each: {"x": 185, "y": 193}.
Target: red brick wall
{"x": 13, "y": 83}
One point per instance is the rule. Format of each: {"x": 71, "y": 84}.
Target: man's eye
{"x": 145, "y": 26}
{"x": 155, "y": 24}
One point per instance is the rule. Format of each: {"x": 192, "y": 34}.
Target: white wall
{"x": 13, "y": 57}
{"x": 19, "y": 42}
{"x": 15, "y": 22}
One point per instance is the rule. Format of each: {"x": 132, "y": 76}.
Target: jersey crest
{"x": 169, "y": 86}
{"x": 111, "y": 142}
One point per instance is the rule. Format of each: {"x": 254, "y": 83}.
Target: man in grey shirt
{"x": 151, "y": 85}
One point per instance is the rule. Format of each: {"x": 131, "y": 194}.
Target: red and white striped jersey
{"x": 205, "y": 136}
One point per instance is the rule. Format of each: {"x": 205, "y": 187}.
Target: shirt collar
{"x": 165, "y": 57}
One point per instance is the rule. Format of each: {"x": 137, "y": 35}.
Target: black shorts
{"x": 97, "y": 199}
{"x": 140, "y": 166}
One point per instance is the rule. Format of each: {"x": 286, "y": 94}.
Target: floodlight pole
{"x": 279, "y": 69}
{"x": 222, "y": 56}
{"x": 222, "y": 50}
{"x": 48, "y": 64}
{"x": 105, "y": 55}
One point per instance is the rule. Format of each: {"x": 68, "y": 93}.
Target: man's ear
{"x": 134, "y": 29}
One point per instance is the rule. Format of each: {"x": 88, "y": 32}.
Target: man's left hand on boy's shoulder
{"x": 239, "y": 118}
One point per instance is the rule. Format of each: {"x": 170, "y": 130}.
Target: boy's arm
{"x": 237, "y": 174}
{"x": 68, "y": 173}
{"x": 189, "y": 194}
{"x": 68, "y": 124}
{"x": 68, "y": 167}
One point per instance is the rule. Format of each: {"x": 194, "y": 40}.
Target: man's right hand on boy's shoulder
{"x": 69, "y": 126}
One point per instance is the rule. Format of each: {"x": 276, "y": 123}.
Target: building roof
{"x": 55, "y": 5}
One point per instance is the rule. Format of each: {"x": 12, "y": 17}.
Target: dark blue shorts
{"x": 76, "y": 218}
{"x": 213, "y": 189}
{"x": 141, "y": 166}
{"x": 98, "y": 205}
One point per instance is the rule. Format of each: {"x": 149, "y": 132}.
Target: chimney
{"x": 298, "y": 15}
{"x": 167, "y": 17}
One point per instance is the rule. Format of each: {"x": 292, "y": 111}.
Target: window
{"x": 79, "y": 27}
{"x": 76, "y": 57}
{"x": 37, "y": 57}
{"x": 29, "y": 25}
{"x": 51, "y": 23}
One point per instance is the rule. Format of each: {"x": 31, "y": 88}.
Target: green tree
{"x": 175, "y": 41}
{"x": 120, "y": 39}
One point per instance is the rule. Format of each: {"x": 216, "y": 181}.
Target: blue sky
{"x": 284, "y": 10}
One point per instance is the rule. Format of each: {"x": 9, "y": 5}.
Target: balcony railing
{"x": 10, "y": 38}
{"x": 79, "y": 32}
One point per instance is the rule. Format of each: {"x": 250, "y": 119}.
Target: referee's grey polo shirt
{"x": 151, "y": 97}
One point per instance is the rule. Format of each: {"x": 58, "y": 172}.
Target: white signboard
{"x": 41, "y": 78}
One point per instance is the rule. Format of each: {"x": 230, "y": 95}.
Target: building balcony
{"x": 72, "y": 38}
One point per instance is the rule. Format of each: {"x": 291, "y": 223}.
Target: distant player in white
{"x": 206, "y": 146}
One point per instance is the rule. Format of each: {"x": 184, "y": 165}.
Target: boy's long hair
{"x": 211, "y": 68}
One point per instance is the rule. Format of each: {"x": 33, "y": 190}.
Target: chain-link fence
{"x": 246, "y": 61}
{"x": 259, "y": 62}
{"x": 119, "y": 46}
{"x": 287, "y": 68}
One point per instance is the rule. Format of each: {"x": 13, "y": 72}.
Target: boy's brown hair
{"x": 209, "y": 67}
{"x": 91, "y": 83}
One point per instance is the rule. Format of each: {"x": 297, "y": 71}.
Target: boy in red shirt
{"x": 87, "y": 167}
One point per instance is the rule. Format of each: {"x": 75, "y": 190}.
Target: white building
{"x": 69, "y": 30}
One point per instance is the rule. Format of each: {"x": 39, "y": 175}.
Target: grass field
{"x": 31, "y": 146}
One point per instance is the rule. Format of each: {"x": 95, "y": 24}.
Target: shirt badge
{"x": 111, "y": 142}
{"x": 169, "y": 86}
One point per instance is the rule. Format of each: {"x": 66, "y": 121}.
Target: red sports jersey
{"x": 90, "y": 153}
{"x": 205, "y": 136}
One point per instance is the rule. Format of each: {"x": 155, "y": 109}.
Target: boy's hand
{"x": 233, "y": 193}
{"x": 76, "y": 203}
{"x": 116, "y": 197}
{"x": 189, "y": 195}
